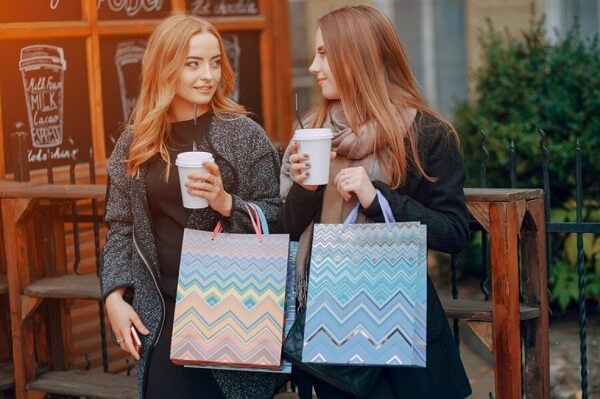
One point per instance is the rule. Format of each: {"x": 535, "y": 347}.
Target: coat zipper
{"x": 162, "y": 321}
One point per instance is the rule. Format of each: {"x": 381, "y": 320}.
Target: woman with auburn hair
{"x": 385, "y": 138}
{"x": 183, "y": 105}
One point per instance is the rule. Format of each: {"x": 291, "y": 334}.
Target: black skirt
{"x": 167, "y": 380}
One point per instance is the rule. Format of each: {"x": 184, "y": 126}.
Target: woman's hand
{"x": 355, "y": 180}
{"x": 300, "y": 167}
{"x": 210, "y": 187}
{"x": 122, "y": 317}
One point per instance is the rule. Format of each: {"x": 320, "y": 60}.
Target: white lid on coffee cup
{"x": 193, "y": 158}
{"x": 313, "y": 134}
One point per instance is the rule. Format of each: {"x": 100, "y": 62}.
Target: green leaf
{"x": 571, "y": 249}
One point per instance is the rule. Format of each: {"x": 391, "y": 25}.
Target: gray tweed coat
{"x": 249, "y": 168}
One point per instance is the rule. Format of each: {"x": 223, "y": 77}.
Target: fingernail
{"x": 307, "y": 164}
{"x": 306, "y": 156}
{"x": 307, "y": 174}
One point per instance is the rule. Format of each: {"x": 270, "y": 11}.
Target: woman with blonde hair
{"x": 183, "y": 105}
{"x": 386, "y": 138}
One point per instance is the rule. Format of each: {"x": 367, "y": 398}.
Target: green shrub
{"x": 527, "y": 83}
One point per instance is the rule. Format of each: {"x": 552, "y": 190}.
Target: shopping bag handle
{"x": 254, "y": 219}
{"x": 263, "y": 220}
{"x": 352, "y": 217}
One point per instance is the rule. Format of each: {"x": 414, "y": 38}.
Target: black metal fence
{"x": 579, "y": 227}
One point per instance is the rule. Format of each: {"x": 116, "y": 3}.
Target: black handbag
{"x": 356, "y": 380}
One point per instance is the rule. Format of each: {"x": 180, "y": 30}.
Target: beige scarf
{"x": 352, "y": 150}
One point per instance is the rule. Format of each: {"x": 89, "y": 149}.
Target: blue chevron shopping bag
{"x": 230, "y": 299}
{"x": 367, "y": 293}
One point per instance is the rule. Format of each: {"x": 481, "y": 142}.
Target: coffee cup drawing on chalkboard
{"x": 128, "y": 59}
{"x": 42, "y": 68}
{"x": 234, "y": 51}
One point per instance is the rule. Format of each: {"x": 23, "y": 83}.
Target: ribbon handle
{"x": 263, "y": 220}
{"x": 388, "y": 215}
{"x": 254, "y": 219}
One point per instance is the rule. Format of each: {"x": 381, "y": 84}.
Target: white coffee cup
{"x": 187, "y": 163}
{"x": 317, "y": 144}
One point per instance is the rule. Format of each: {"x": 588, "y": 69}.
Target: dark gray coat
{"x": 441, "y": 206}
{"x": 250, "y": 172}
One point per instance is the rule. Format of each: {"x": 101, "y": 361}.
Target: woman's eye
{"x": 192, "y": 64}
{"x": 215, "y": 63}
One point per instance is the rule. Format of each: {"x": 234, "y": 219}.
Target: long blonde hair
{"x": 375, "y": 82}
{"x": 165, "y": 55}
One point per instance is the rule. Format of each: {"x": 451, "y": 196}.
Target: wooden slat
{"x": 146, "y": 26}
{"x": 65, "y": 287}
{"x": 504, "y": 259}
{"x": 6, "y": 377}
{"x": 267, "y": 72}
{"x": 502, "y": 194}
{"x": 536, "y": 362}
{"x": 84, "y": 383}
{"x": 484, "y": 332}
{"x": 53, "y": 191}
{"x": 3, "y": 284}
{"x": 44, "y": 30}
{"x": 481, "y": 212}
{"x": 94, "y": 73}
{"x": 470, "y": 309}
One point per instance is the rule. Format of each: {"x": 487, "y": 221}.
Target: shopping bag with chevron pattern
{"x": 367, "y": 293}
{"x": 290, "y": 315}
{"x": 230, "y": 298}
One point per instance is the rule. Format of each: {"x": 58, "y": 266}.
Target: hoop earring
{"x": 195, "y": 113}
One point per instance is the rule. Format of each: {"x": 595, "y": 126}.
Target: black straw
{"x": 298, "y": 113}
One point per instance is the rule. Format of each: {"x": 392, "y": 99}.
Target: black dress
{"x": 441, "y": 206}
{"x": 169, "y": 218}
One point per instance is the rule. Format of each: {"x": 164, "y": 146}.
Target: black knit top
{"x": 168, "y": 215}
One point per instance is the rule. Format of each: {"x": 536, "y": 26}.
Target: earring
{"x": 195, "y": 110}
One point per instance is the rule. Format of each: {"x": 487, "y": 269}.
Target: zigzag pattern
{"x": 290, "y": 316}
{"x": 230, "y": 300}
{"x": 367, "y": 295}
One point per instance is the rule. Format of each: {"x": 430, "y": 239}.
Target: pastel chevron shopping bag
{"x": 367, "y": 293}
{"x": 230, "y": 299}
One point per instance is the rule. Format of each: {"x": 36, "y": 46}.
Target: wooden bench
{"x": 87, "y": 384}
{"x": 65, "y": 287}
{"x": 33, "y": 216}
{"x": 476, "y": 310}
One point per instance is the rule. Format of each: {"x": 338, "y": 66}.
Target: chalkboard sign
{"x": 243, "y": 51}
{"x": 221, "y": 8}
{"x": 121, "y": 75}
{"x": 133, "y": 9}
{"x": 44, "y": 89}
{"x": 121, "y": 69}
{"x": 48, "y": 92}
{"x": 40, "y": 10}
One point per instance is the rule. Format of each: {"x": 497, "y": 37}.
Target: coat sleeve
{"x": 299, "y": 210}
{"x": 260, "y": 178}
{"x": 117, "y": 254}
{"x": 299, "y": 206}
{"x": 444, "y": 210}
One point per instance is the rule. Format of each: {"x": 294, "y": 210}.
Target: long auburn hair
{"x": 165, "y": 55}
{"x": 374, "y": 82}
